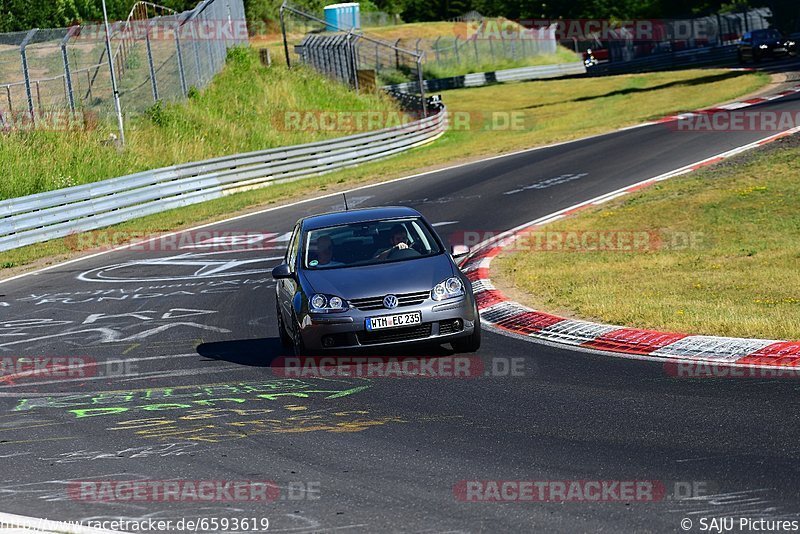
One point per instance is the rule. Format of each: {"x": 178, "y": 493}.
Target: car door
{"x": 287, "y": 287}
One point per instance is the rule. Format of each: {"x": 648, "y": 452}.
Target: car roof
{"x": 357, "y": 216}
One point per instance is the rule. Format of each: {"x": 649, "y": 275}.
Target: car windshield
{"x": 767, "y": 34}
{"x": 369, "y": 243}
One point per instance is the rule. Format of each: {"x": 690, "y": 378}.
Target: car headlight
{"x": 327, "y": 303}
{"x": 763, "y": 47}
{"x": 452, "y": 287}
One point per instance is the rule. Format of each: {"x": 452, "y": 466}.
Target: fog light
{"x": 328, "y": 341}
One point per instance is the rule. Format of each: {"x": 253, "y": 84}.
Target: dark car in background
{"x": 372, "y": 277}
{"x": 792, "y": 43}
{"x": 760, "y": 44}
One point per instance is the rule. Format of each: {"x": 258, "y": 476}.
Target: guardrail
{"x": 50, "y": 215}
{"x": 485, "y": 78}
{"x": 718, "y": 56}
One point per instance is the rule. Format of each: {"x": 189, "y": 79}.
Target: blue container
{"x": 343, "y": 17}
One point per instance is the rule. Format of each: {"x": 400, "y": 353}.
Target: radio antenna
{"x": 344, "y": 196}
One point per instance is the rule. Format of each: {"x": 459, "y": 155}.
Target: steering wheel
{"x": 399, "y": 253}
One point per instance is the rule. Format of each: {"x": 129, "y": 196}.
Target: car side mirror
{"x": 281, "y": 271}
{"x": 460, "y": 251}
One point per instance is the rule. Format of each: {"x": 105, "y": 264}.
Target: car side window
{"x": 291, "y": 252}
{"x": 746, "y": 38}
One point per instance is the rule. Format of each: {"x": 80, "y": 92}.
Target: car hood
{"x": 408, "y": 276}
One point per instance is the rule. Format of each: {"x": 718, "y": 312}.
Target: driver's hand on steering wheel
{"x": 401, "y": 246}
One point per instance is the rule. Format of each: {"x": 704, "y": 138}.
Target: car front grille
{"x": 419, "y": 331}
{"x": 403, "y": 299}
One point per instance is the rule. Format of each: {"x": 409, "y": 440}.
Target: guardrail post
{"x": 25, "y": 71}
{"x": 67, "y": 74}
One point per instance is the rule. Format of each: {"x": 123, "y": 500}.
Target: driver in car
{"x": 398, "y": 241}
{"x": 325, "y": 253}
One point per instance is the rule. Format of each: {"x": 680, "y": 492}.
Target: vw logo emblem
{"x": 390, "y": 301}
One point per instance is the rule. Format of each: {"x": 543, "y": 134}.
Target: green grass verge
{"x": 553, "y": 110}
{"x": 242, "y": 110}
{"x": 738, "y": 278}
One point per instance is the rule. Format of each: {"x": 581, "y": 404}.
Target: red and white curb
{"x": 726, "y": 107}
{"x": 506, "y": 316}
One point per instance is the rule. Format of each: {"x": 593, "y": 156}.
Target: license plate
{"x": 393, "y": 321}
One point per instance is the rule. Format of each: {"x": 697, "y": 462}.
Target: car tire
{"x": 286, "y": 339}
{"x": 297, "y": 340}
{"x": 472, "y": 342}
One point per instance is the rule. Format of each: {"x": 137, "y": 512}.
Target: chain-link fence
{"x": 158, "y": 55}
{"x": 352, "y": 57}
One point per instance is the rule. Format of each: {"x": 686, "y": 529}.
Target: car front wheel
{"x": 286, "y": 339}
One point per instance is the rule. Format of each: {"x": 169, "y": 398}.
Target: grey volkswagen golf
{"x": 372, "y": 277}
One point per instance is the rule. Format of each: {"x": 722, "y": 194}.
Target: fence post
{"x": 198, "y": 71}
{"x": 285, "y": 43}
{"x": 436, "y": 48}
{"x": 397, "y": 54}
{"x": 25, "y": 72}
{"x": 377, "y": 59}
{"x": 8, "y": 96}
{"x": 153, "y": 82}
{"x": 184, "y": 89}
{"x": 67, "y": 73}
{"x": 455, "y": 47}
{"x": 352, "y": 59}
{"x": 421, "y": 85}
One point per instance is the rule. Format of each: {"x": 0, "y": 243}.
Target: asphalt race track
{"x": 183, "y": 389}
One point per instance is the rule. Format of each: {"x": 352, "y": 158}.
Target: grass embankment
{"x": 242, "y": 110}
{"x": 740, "y": 278}
{"x": 553, "y": 110}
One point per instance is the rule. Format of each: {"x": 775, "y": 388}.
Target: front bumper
{"x": 441, "y": 322}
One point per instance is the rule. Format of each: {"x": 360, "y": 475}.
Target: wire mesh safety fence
{"x": 340, "y": 54}
{"x": 157, "y": 54}
{"x": 351, "y": 57}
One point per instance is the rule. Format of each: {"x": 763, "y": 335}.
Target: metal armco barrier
{"x": 50, "y": 215}
{"x": 717, "y": 56}
{"x": 485, "y": 78}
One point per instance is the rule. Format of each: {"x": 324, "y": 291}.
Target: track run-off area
{"x": 177, "y": 341}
